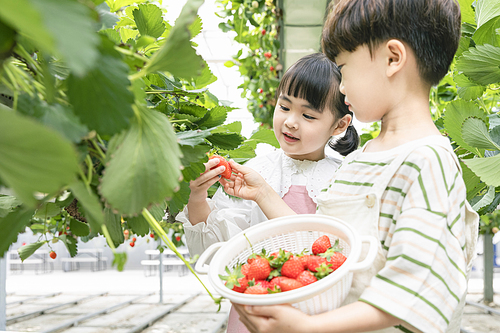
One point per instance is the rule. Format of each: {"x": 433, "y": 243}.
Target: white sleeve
{"x": 228, "y": 217}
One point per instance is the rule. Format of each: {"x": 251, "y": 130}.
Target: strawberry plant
{"x": 256, "y": 26}
{"x": 105, "y": 117}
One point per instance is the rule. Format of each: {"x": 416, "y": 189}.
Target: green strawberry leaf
{"x": 486, "y": 199}
{"x": 488, "y": 21}
{"x": 70, "y": 243}
{"x": 114, "y": 225}
{"x": 473, "y": 183}
{"x": 215, "y": 117}
{"x": 101, "y": 98}
{"x": 467, "y": 12}
{"x": 467, "y": 89}
{"x": 267, "y": 136}
{"x": 481, "y": 64}
{"x": 456, "y": 113}
{"x": 27, "y": 250}
{"x": 47, "y": 210}
{"x": 78, "y": 228}
{"x": 149, "y": 20}
{"x": 192, "y": 138}
{"x": 34, "y": 158}
{"x": 90, "y": 204}
{"x": 7, "y": 204}
{"x": 131, "y": 181}
{"x": 488, "y": 169}
{"x": 177, "y": 56}
{"x": 475, "y": 133}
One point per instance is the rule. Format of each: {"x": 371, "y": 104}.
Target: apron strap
{"x": 383, "y": 180}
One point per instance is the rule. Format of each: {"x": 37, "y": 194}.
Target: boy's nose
{"x": 341, "y": 86}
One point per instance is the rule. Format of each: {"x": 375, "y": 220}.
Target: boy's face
{"x": 364, "y": 82}
{"x": 301, "y": 130}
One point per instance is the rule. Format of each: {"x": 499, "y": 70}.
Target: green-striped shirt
{"x": 421, "y": 228}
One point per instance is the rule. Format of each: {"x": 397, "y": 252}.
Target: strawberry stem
{"x": 163, "y": 235}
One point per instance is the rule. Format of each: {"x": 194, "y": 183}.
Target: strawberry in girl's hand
{"x": 222, "y": 162}
{"x": 321, "y": 244}
{"x": 313, "y": 262}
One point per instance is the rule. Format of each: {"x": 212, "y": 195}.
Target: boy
{"x": 403, "y": 187}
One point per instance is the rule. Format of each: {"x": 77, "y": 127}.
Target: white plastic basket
{"x": 292, "y": 233}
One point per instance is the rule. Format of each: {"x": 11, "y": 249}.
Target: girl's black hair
{"x": 316, "y": 79}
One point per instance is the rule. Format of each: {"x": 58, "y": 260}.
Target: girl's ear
{"x": 342, "y": 124}
{"x": 395, "y": 55}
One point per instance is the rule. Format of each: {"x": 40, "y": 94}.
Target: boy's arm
{"x": 248, "y": 184}
{"x": 355, "y": 317}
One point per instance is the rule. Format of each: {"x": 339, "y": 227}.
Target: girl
{"x": 309, "y": 111}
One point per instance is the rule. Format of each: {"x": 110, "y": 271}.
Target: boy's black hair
{"x": 431, "y": 28}
{"x": 316, "y": 79}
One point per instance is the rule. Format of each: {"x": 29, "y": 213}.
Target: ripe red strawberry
{"x": 178, "y": 238}
{"x": 288, "y": 284}
{"x": 268, "y": 55}
{"x": 240, "y": 286}
{"x": 259, "y": 269}
{"x": 336, "y": 260}
{"x": 244, "y": 269}
{"x": 252, "y": 257}
{"x": 276, "y": 281}
{"x": 256, "y": 290}
{"x": 134, "y": 239}
{"x": 334, "y": 256}
{"x": 260, "y": 90}
{"x": 152, "y": 235}
{"x": 263, "y": 32}
{"x": 314, "y": 262}
{"x": 292, "y": 268}
{"x": 304, "y": 260}
{"x": 52, "y": 254}
{"x": 222, "y": 162}
{"x": 321, "y": 244}
{"x": 264, "y": 283}
{"x": 132, "y": 244}
{"x": 306, "y": 278}
{"x": 271, "y": 68}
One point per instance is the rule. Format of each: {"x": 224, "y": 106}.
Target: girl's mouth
{"x": 290, "y": 138}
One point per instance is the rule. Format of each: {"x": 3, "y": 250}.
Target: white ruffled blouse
{"x": 230, "y": 215}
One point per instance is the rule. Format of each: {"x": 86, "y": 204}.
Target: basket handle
{"x": 370, "y": 256}
{"x": 200, "y": 266}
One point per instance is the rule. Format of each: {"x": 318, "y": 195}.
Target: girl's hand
{"x": 274, "y": 319}
{"x": 246, "y": 183}
{"x": 200, "y": 185}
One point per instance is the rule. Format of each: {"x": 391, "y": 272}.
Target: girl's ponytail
{"x": 346, "y": 144}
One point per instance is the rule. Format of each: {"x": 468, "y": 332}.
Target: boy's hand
{"x": 273, "y": 319}
{"x": 246, "y": 183}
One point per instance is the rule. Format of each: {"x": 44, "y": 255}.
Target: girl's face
{"x": 301, "y": 130}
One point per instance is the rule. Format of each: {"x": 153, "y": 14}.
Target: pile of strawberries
{"x": 283, "y": 271}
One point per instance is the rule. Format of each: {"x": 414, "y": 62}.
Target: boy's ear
{"x": 396, "y": 56}
{"x": 342, "y": 124}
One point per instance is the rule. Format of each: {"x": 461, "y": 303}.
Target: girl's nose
{"x": 291, "y": 122}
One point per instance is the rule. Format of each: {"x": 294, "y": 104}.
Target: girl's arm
{"x": 197, "y": 205}
{"x": 248, "y": 184}
{"x": 355, "y": 317}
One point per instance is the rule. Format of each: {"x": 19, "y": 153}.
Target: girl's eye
{"x": 308, "y": 116}
{"x": 284, "y": 108}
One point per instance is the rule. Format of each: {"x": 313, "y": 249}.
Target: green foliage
{"x": 469, "y": 112}
{"x": 256, "y": 26}
{"x": 107, "y": 114}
